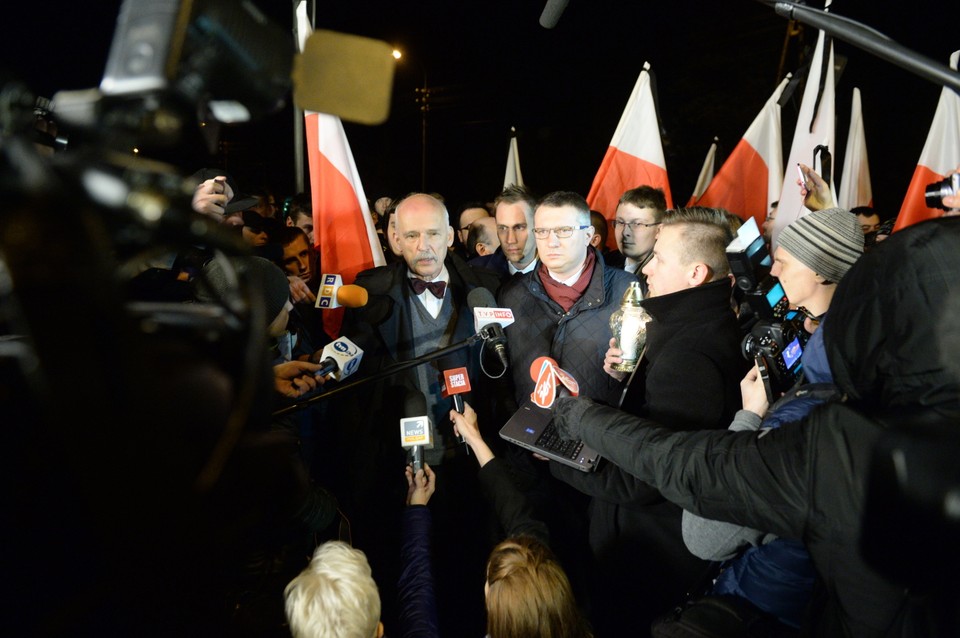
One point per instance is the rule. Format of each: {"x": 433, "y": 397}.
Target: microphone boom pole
{"x": 383, "y": 374}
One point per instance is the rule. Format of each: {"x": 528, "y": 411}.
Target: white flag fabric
{"x": 706, "y": 173}
{"x": 940, "y": 156}
{"x": 855, "y": 187}
{"x": 752, "y": 177}
{"x": 513, "y": 176}
{"x": 816, "y": 126}
{"x": 343, "y": 227}
{"x": 635, "y": 155}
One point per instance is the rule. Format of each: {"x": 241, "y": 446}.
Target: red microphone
{"x": 547, "y": 373}
{"x": 454, "y": 383}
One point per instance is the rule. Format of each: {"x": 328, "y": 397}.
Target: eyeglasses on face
{"x": 562, "y": 232}
{"x": 618, "y": 224}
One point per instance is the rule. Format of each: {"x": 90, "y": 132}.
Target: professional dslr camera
{"x": 935, "y": 192}
{"x": 777, "y": 348}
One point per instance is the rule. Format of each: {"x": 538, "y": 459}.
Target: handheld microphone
{"x": 340, "y": 358}
{"x": 546, "y": 373}
{"x": 415, "y": 427}
{"x": 489, "y": 321}
{"x": 334, "y": 294}
{"x": 453, "y": 383}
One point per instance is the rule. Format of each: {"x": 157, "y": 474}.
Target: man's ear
{"x": 481, "y": 249}
{"x": 450, "y": 234}
{"x": 699, "y": 274}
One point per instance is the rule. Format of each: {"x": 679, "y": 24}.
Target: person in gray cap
{"x": 776, "y": 575}
{"x": 813, "y": 255}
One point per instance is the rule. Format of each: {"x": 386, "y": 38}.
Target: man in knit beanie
{"x": 813, "y": 255}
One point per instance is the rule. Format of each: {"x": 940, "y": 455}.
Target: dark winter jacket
{"x": 577, "y": 340}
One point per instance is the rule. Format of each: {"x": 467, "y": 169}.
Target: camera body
{"x": 780, "y": 346}
{"x": 948, "y": 187}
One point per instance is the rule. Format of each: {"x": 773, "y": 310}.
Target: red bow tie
{"x": 436, "y": 287}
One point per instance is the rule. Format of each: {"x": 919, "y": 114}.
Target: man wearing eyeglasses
{"x": 635, "y": 228}
{"x": 562, "y": 310}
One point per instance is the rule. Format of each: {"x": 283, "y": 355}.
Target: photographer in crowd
{"x": 888, "y": 345}
{"x": 775, "y": 574}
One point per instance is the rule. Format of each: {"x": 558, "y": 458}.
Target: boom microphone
{"x": 340, "y": 358}
{"x": 334, "y": 294}
{"x": 490, "y": 321}
{"x": 552, "y": 12}
{"x": 415, "y": 427}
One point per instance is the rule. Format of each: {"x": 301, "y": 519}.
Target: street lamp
{"x": 422, "y": 98}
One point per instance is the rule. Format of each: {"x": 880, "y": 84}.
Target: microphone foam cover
{"x": 352, "y": 296}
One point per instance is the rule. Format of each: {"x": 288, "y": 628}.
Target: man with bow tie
{"x": 416, "y": 306}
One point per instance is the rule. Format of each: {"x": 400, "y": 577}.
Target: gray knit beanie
{"x": 270, "y": 280}
{"x": 826, "y": 241}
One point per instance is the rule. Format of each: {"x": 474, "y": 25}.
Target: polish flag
{"x": 343, "y": 227}
{"x": 940, "y": 156}
{"x": 635, "y": 155}
{"x": 751, "y": 178}
{"x": 816, "y": 126}
{"x": 855, "y": 189}
{"x": 513, "y": 176}
{"x": 706, "y": 174}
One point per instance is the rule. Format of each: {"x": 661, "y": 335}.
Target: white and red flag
{"x": 343, "y": 227}
{"x": 940, "y": 156}
{"x": 855, "y": 188}
{"x": 706, "y": 173}
{"x": 816, "y": 126}
{"x": 635, "y": 155}
{"x": 751, "y": 178}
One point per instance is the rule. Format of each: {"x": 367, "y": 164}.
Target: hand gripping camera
{"x": 777, "y": 347}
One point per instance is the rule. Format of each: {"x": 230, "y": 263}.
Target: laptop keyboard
{"x": 550, "y": 440}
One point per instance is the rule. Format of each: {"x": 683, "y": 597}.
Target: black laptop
{"x": 531, "y": 427}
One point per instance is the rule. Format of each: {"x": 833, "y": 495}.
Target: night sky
{"x": 493, "y": 67}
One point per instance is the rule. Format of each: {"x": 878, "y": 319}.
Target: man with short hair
{"x": 469, "y": 213}
{"x": 635, "y": 225}
{"x": 513, "y": 211}
{"x": 482, "y": 238}
{"x": 688, "y": 377}
{"x": 562, "y": 310}
{"x": 417, "y": 306}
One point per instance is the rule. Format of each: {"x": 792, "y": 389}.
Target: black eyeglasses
{"x": 634, "y": 225}
{"x": 562, "y": 232}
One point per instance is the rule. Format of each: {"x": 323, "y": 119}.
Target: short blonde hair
{"x": 335, "y": 596}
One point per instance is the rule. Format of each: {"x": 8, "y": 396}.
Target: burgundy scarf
{"x": 563, "y": 294}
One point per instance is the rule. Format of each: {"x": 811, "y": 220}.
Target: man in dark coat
{"x": 688, "y": 379}
{"x": 891, "y": 344}
{"x": 416, "y": 306}
{"x": 562, "y": 310}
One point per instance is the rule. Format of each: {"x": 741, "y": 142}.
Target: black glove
{"x": 568, "y": 416}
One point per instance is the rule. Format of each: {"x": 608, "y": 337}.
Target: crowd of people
{"x": 719, "y": 507}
